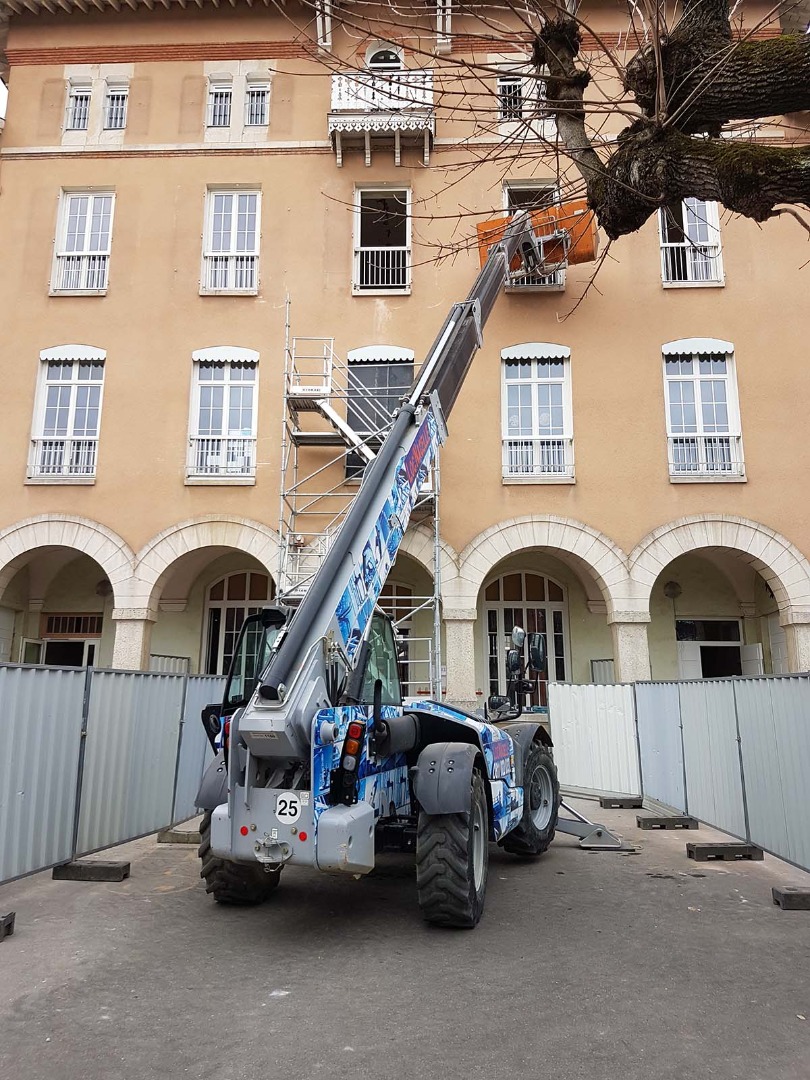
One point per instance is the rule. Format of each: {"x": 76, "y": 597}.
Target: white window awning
{"x": 697, "y": 345}
{"x": 380, "y": 354}
{"x": 68, "y": 353}
{"x": 225, "y": 354}
{"x": 536, "y": 350}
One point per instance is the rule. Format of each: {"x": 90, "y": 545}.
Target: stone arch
{"x": 591, "y": 554}
{"x": 85, "y": 536}
{"x": 773, "y": 556}
{"x": 417, "y": 544}
{"x": 155, "y": 559}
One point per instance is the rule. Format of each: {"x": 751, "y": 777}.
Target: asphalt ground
{"x": 597, "y": 965}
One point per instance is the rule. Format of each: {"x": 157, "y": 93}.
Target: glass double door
{"x": 538, "y": 605}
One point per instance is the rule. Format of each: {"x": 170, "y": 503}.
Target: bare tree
{"x": 691, "y": 96}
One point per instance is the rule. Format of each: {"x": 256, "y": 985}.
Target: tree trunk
{"x": 710, "y": 81}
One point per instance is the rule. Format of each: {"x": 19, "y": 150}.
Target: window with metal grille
{"x": 70, "y": 625}
{"x": 83, "y": 242}
{"x": 510, "y": 97}
{"x": 231, "y": 252}
{"x": 257, "y": 98}
{"x": 223, "y": 425}
{"x": 78, "y": 108}
{"x": 115, "y": 108}
{"x": 220, "y": 99}
{"x": 66, "y": 423}
{"x": 703, "y": 421}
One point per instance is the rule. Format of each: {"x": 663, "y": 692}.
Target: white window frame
{"x": 700, "y": 262}
{"x": 257, "y": 86}
{"x": 524, "y": 123}
{"x": 205, "y": 464}
{"x": 403, "y": 265}
{"x": 542, "y": 459}
{"x": 92, "y": 266}
{"x": 235, "y": 274}
{"x": 216, "y": 87}
{"x": 114, "y": 112}
{"x": 75, "y": 461}
{"x": 75, "y": 92}
{"x": 692, "y": 457}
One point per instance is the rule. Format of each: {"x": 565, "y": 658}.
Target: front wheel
{"x": 452, "y": 858}
{"x": 230, "y": 882}
{"x": 541, "y": 804}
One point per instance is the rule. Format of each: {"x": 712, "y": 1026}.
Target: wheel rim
{"x": 479, "y": 842}
{"x": 541, "y": 797}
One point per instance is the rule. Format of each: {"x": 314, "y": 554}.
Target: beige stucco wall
{"x": 153, "y": 318}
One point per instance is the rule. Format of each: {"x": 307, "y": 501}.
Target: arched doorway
{"x": 229, "y": 601}
{"x": 539, "y": 604}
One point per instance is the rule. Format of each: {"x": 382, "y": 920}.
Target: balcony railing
{"x": 367, "y": 91}
{"x": 382, "y": 269}
{"x": 230, "y": 273}
{"x": 81, "y": 273}
{"x": 226, "y": 456}
{"x": 62, "y": 457}
{"x": 688, "y": 263}
{"x": 556, "y": 280}
{"x": 538, "y": 457}
{"x": 705, "y": 455}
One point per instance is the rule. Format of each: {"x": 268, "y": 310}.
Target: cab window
{"x": 381, "y": 663}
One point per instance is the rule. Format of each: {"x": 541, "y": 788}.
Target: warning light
{"x": 302, "y": 836}
{"x": 352, "y": 746}
{"x": 355, "y": 731}
{"x": 244, "y": 830}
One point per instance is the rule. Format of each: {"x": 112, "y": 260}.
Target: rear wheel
{"x": 541, "y": 804}
{"x": 452, "y": 859}
{"x": 230, "y": 882}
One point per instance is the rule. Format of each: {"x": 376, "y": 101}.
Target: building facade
{"x": 185, "y": 189}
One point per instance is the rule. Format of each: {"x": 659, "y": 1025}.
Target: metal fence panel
{"x": 594, "y": 733}
{"x": 659, "y": 735}
{"x": 711, "y": 755}
{"x": 42, "y": 723}
{"x": 133, "y": 727}
{"x": 195, "y": 749}
{"x": 774, "y": 720}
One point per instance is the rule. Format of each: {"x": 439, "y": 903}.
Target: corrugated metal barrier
{"x": 95, "y": 758}
{"x": 41, "y": 712}
{"x": 594, "y": 734}
{"x": 195, "y": 749}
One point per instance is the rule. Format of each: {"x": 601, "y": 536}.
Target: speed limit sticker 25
{"x": 288, "y": 807}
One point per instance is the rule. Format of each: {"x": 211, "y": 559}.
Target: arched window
{"x": 539, "y": 605}
{"x": 229, "y": 601}
{"x": 384, "y": 58}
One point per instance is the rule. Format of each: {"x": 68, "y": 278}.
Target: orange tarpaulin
{"x": 574, "y": 216}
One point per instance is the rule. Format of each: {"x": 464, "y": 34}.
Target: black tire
{"x": 452, "y": 858}
{"x": 541, "y": 805}
{"x": 230, "y": 882}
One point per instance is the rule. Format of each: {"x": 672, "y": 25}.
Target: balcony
{"x": 81, "y": 273}
{"x": 381, "y": 270}
{"x": 691, "y": 264}
{"x": 53, "y": 458}
{"x": 705, "y": 457}
{"x": 538, "y": 459}
{"x": 375, "y": 108}
{"x": 518, "y": 282}
{"x": 230, "y": 274}
{"x": 231, "y": 456}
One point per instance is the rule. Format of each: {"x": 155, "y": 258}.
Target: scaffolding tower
{"x": 332, "y": 427}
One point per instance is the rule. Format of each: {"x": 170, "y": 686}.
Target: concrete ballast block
{"x": 92, "y": 870}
